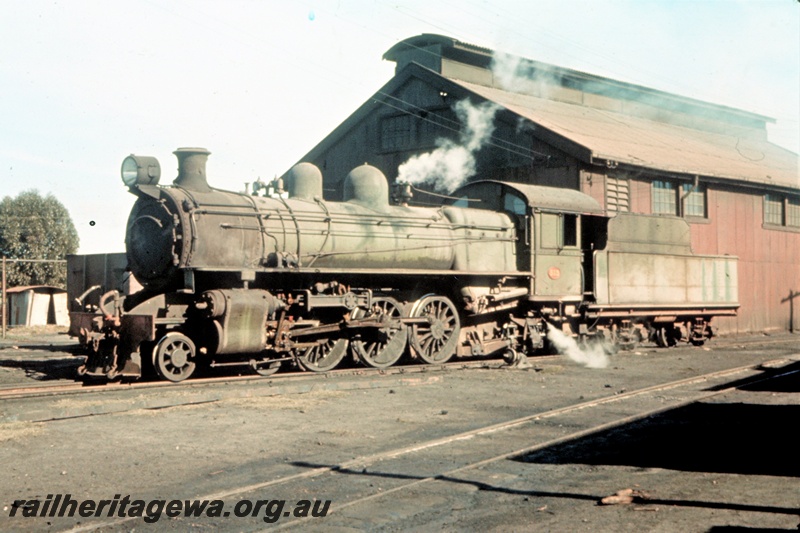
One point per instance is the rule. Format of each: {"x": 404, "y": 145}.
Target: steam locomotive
{"x": 282, "y": 277}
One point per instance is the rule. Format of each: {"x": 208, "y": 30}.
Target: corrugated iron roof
{"x": 427, "y": 39}
{"x": 481, "y": 57}
{"x": 626, "y": 139}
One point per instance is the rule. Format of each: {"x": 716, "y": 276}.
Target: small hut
{"x": 37, "y": 305}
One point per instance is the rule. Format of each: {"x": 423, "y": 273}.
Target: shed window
{"x": 782, "y": 210}
{"x": 664, "y": 198}
{"x": 462, "y": 202}
{"x": 694, "y": 200}
{"x": 793, "y": 212}
{"x": 684, "y": 200}
{"x": 435, "y": 124}
{"x": 773, "y": 210}
{"x": 397, "y": 132}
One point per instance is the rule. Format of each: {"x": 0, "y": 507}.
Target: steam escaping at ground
{"x": 592, "y": 356}
{"x": 452, "y": 163}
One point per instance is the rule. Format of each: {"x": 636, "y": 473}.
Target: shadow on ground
{"x": 45, "y": 369}
{"x": 41, "y": 359}
{"x": 735, "y": 438}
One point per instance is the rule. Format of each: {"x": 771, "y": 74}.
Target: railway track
{"x": 521, "y": 430}
{"x": 34, "y": 390}
{"x": 58, "y": 389}
{"x": 457, "y": 457}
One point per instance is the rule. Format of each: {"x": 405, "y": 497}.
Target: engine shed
{"x": 633, "y": 149}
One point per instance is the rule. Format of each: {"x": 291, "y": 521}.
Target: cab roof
{"x": 538, "y": 197}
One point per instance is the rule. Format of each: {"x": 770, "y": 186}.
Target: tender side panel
{"x": 645, "y": 279}
{"x": 653, "y": 234}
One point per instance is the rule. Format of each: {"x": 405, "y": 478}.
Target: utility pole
{"x": 3, "y": 298}
{"x": 792, "y": 296}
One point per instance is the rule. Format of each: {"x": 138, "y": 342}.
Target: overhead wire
{"x": 382, "y": 97}
{"x": 501, "y": 144}
{"x": 512, "y": 148}
{"x": 497, "y": 142}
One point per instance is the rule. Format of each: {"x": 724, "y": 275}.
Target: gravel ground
{"x": 722, "y": 465}
{"x": 34, "y": 354}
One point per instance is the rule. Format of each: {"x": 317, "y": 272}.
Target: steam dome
{"x": 367, "y": 186}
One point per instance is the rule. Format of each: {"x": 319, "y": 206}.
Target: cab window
{"x": 461, "y": 202}
{"x": 569, "y": 236}
{"x": 559, "y": 230}
{"x": 514, "y": 204}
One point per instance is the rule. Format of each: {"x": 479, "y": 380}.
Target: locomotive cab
{"x": 552, "y": 247}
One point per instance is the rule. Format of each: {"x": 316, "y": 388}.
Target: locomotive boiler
{"x": 290, "y": 279}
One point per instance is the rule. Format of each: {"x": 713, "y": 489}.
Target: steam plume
{"x": 592, "y": 356}
{"x": 452, "y": 163}
{"x": 512, "y": 73}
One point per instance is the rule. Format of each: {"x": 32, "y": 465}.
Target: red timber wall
{"x": 769, "y": 258}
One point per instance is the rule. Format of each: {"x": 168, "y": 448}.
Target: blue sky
{"x": 85, "y": 83}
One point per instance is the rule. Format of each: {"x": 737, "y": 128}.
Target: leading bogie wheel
{"x": 174, "y": 357}
{"x": 265, "y": 367}
{"x": 436, "y": 340}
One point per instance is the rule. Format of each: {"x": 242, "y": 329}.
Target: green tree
{"x": 36, "y": 227}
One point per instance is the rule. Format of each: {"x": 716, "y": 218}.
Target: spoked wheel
{"x": 173, "y": 357}
{"x": 660, "y": 338}
{"x": 265, "y": 367}
{"x": 626, "y": 339}
{"x": 383, "y": 347}
{"x": 324, "y": 356}
{"x": 665, "y": 337}
{"x": 435, "y": 341}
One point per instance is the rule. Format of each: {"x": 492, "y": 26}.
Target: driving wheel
{"x": 435, "y": 341}
{"x": 382, "y": 347}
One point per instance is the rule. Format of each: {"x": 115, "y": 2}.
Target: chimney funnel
{"x": 192, "y": 169}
